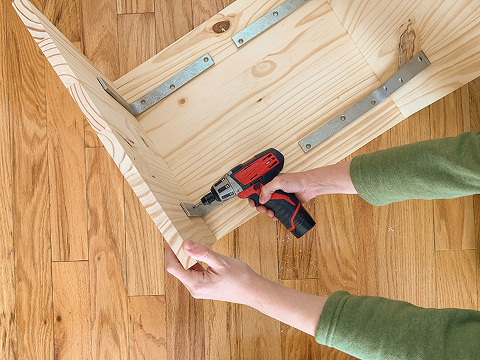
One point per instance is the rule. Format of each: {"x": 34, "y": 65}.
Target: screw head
{"x": 420, "y": 59}
{"x": 343, "y": 118}
{"x": 401, "y": 80}
{"x": 373, "y": 102}
{"x": 205, "y": 59}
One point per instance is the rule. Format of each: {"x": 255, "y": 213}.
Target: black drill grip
{"x": 288, "y": 209}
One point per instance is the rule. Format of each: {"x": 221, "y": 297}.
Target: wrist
{"x": 333, "y": 179}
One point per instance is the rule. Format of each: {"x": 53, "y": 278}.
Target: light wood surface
{"x": 205, "y": 329}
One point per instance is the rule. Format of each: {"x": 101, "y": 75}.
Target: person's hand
{"x": 225, "y": 279}
{"x": 333, "y": 179}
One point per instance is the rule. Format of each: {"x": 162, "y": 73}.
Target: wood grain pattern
{"x": 173, "y": 19}
{"x": 447, "y": 31}
{"x": 297, "y": 258}
{"x": 125, "y": 140}
{"x": 8, "y": 331}
{"x": 375, "y": 239}
{"x": 66, "y": 157}
{"x": 31, "y": 223}
{"x": 456, "y": 290}
{"x": 297, "y": 344}
{"x": 257, "y": 247}
{"x": 453, "y": 218}
{"x": 106, "y": 235}
{"x": 135, "y": 29}
{"x": 415, "y": 254}
{"x": 134, "y": 6}
{"x": 204, "y": 10}
{"x": 65, "y": 16}
{"x": 185, "y": 330}
{"x": 147, "y": 327}
{"x": 223, "y": 321}
{"x": 71, "y": 310}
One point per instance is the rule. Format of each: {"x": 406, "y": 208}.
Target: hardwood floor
{"x": 82, "y": 264}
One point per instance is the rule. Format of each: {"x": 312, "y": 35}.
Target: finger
{"x": 251, "y": 203}
{"x": 270, "y": 213}
{"x": 202, "y": 253}
{"x": 269, "y": 189}
{"x": 262, "y": 209}
{"x": 175, "y": 268}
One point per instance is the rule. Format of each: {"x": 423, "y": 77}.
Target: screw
{"x": 373, "y": 102}
{"x": 385, "y": 88}
{"x": 205, "y": 59}
{"x": 420, "y": 59}
{"x": 401, "y": 80}
{"x": 343, "y": 118}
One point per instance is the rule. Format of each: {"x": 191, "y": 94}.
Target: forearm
{"x": 333, "y": 179}
{"x": 292, "y": 307}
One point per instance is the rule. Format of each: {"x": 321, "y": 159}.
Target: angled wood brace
{"x": 271, "y": 91}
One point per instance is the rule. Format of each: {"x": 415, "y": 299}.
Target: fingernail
{"x": 189, "y": 245}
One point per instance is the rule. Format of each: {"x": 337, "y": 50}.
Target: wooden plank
{"x": 295, "y": 343}
{"x": 297, "y": 258}
{"x": 414, "y": 241}
{"x": 71, "y": 310}
{"x": 204, "y": 10}
{"x": 127, "y": 143}
{"x": 223, "y": 320}
{"x": 283, "y": 99}
{"x": 145, "y": 252}
{"x": 446, "y": 30}
{"x": 453, "y": 218}
{"x": 335, "y": 244}
{"x": 136, "y": 40}
{"x": 185, "y": 322}
{"x": 257, "y": 246}
{"x": 457, "y": 279}
{"x": 374, "y": 239}
{"x": 8, "y": 331}
{"x": 135, "y": 6}
{"x": 173, "y": 19}
{"x": 65, "y": 16}
{"x": 106, "y": 235}
{"x": 30, "y": 193}
{"x": 147, "y": 327}
{"x": 66, "y": 157}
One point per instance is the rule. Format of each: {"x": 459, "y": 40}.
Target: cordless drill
{"x": 246, "y": 180}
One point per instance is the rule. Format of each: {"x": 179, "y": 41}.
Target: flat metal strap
{"x": 267, "y": 21}
{"x": 401, "y": 77}
{"x": 163, "y": 90}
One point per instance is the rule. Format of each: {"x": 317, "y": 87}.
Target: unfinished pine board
{"x": 453, "y": 218}
{"x": 297, "y": 258}
{"x": 66, "y": 159}
{"x": 374, "y": 239}
{"x": 31, "y": 223}
{"x": 295, "y": 343}
{"x": 173, "y": 19}
{"x": 414, "y": 228}
{"x": 456, "y": 289}
{"x": 8, "y": 332}
{"x": 124, "y": 139}
{"x": 106, "y": 236}
{"x": 447, "y": 31}
{"x": 71, "y": 310}
{"x": 147, "y": 328}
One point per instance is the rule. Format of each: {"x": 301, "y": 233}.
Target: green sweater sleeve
{"x": 432, "y": 169}
{"x": 377, "y": 328}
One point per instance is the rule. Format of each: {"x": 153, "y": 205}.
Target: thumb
{"x": 269, "y": 189}
{"x": 202, "y": 253}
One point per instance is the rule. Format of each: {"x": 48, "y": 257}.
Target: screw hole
{"x": 275, "y": 13}
{"x": 172, "y": 87}
{"x": 240, "y": 41}
{"x": 343, "y": 118}
{"x": 143, "y": 102}
{"x": 308, "y": 146}
{"x": 373, "y": 102}
{"x": 205, "y": 59}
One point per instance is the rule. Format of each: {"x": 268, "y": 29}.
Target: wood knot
{"x": 59, "y": 318}
{"x": 181, "y": 102}
{"x": 221, "y": 26}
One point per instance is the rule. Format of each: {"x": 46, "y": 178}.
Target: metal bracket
{"x": 163, "y": 90}
{"x": 267, "y": 21}
{"x": 401, "y": 77}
